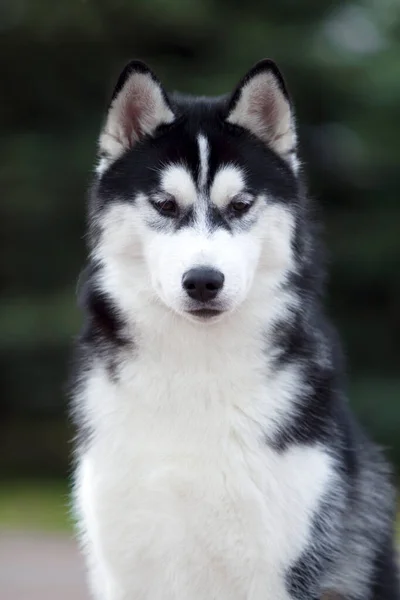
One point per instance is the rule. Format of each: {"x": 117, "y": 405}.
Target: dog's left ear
{"x": 261, "y": 105}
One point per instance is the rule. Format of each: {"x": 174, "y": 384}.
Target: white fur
{"x": 204, "y": 153}
{"x": 177, "y": 181}
{"x": 102, "y": 165}
{"x": 228, "y": 182}
{"x": 178, "y": 495}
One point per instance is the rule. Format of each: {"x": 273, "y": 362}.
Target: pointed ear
{"x": 139, "y": 105}
{"x": 262, "y": 105}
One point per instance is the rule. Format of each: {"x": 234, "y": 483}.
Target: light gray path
{"x": 40, "y": 567}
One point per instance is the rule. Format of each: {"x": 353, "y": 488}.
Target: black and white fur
{"x": 217, "y": 457}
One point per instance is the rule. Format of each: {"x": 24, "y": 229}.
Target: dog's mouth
{"x": 205, "y": 314}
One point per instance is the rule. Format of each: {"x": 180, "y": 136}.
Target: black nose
{"x": 203, "y": 283}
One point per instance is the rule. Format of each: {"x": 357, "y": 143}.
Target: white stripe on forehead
{"x": 177, "y": 181}
{"x": 228, "y": 182}
{"x": 204, "y": 154}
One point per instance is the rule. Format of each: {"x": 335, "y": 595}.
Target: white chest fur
{"x": 179, "y": 495}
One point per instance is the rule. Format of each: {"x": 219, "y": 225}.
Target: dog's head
{"x": 195, "y": 196}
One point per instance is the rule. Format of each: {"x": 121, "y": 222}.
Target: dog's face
{"x": 196, "y": 196}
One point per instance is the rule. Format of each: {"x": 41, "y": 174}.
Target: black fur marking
{"x": 104, "y": 329}
{"x": 293, "y": 341}
{"x": 104, "y": 317}
{"x": 186, "y": 220}
{"x": 102, "y": 338}
{"x": 216, "y": 220}
{"x": 303, "y": 580}
{"x": 104, "y": 321}
{"x": 386, "y": 584}
{"x": 313, "y": 415}
{"x": 163, "y": 225}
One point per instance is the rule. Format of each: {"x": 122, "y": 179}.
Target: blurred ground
{"x": 42, "y": 566}
{"x": 39, "y": 559}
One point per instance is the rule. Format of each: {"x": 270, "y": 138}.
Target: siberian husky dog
{"x": 217, "y": 457}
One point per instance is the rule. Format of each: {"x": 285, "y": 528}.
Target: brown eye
{"x": 240, "y": 206}
{"x": 167, "y": 207}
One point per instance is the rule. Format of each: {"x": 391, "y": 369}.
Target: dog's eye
{"x": 240, "y": 206}
{"x": 167, "y": 207}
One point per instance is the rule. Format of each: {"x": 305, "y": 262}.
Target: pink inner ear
{"x": 137, "y": 106}
{"x": 130, "y": 121}
{"x": 264, "y": 104}
{"x": 131, "y": 113}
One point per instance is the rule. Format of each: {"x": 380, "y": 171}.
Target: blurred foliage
{"x": 35, "y": 505}
{"x": 58, "y": 62}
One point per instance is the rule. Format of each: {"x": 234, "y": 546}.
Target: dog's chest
{"x": 180, "y": 486}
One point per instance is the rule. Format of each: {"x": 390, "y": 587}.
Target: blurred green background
{"x": 58, "y": 63}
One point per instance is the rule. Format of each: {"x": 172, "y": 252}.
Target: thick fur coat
{"x": 217, "y": 456}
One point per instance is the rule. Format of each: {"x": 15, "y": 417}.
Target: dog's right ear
{"x": 261, "y": 105}
{"x": 139, "y": 105}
